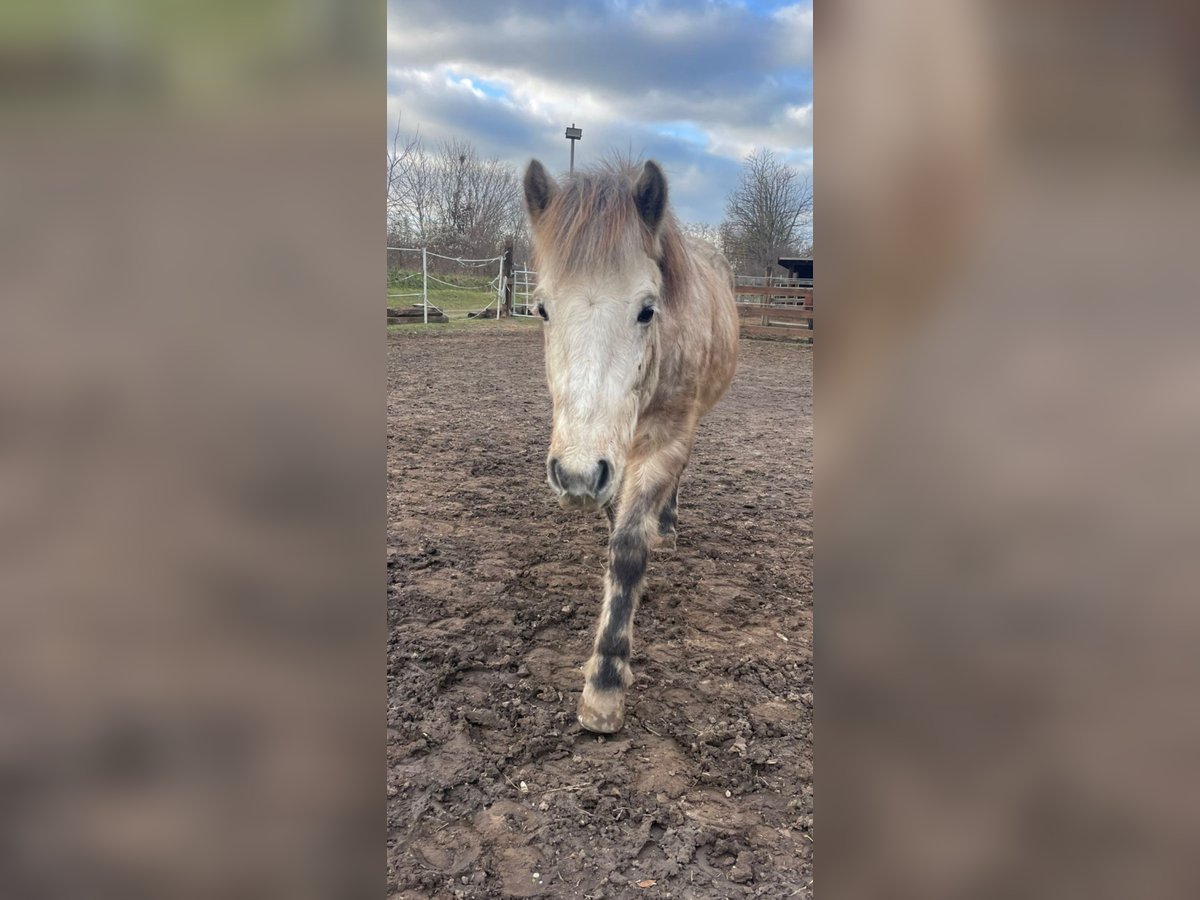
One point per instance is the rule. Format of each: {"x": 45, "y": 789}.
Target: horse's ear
{"x": 539, "y": 189}
{"x": 650, "y": 194}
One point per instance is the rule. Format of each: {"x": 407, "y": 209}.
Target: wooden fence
{"x": 780, "y": 308}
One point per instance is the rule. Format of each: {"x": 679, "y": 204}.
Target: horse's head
{"x": 597, "y": 247}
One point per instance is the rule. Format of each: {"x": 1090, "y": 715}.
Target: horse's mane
{"x": 592, "y": 223}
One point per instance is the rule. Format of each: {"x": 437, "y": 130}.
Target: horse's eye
{"x": 646, "y": 314}
{"x": 542, "y": 313}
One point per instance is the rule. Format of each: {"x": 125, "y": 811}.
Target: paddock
{"x": 493, "y": 789}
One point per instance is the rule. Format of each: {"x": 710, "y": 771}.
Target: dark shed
{"x": 799, "y": 268}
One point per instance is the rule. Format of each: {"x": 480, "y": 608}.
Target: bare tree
{"x": 702, "y": 231}
{"x": 450, "y": 199}
{"x": 766, "y": 214}
{"x": 477, "y": 199}
{"x": 401, "y": 159}
{"x": 418, "y": 196}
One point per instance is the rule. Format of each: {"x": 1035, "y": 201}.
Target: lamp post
{"x": 574, "y": 134}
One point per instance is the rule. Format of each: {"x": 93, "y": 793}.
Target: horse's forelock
{"x": 593, "y": 224}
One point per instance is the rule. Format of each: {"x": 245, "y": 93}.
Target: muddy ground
{"x": 493, "y": 789}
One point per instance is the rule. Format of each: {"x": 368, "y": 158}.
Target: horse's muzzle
{"x": 581, "y": 489}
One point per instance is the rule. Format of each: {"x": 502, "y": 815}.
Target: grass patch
{"x": 516, "y": 323}
{"x": 459, "y": 295}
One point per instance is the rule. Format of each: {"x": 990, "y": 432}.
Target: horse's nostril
{"x": 603, "y": 477}
{"x": 555, "y": 479}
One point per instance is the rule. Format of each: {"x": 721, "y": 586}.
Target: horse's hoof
{"x": 664, "y": 543}
{"x": 601, "y": 712}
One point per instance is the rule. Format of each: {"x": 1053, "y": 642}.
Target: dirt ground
{"x": 493, "y": 790}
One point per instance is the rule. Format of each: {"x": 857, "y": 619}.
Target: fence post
{"x": 499, "y": 287}
{"x": 766, "y": 297}
{"x": 507, "y": 264}
{"x": 425, "y": 285}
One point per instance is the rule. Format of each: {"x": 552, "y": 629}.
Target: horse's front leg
{"x": 607, "y": 674}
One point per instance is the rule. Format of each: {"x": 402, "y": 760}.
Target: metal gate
{"x": 524, "y": 281}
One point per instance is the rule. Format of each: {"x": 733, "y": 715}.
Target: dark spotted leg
{"x": 668, "y": 520}
{"x": 607, "y": 674}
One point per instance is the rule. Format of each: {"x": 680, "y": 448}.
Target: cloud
{"x": 696, "y": 85}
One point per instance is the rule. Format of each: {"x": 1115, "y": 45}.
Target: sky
{"x": 693, "y": 84}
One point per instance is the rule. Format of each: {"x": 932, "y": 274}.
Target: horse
{"x": 641, "y": 336}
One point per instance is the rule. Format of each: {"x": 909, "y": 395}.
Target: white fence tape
{"x": 495, "y": 286}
